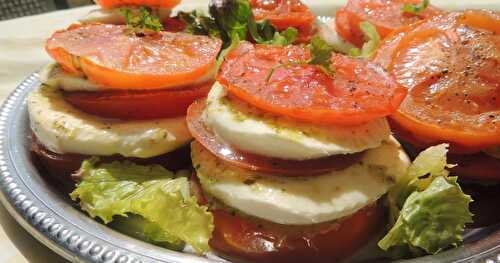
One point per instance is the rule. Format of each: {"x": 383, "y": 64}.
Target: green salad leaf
{"x": 159, "y": 196}
{"x": 415, "y": 8}
{"x": 428, "y": 210}
{"x": 141, "y": 20}
{"x": 372, "y": 41}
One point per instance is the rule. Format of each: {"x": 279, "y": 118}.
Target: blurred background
{"x": 16, "y": 8}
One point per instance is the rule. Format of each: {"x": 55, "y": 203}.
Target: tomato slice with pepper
{"x": 251, "y": 239}
{"x": 450, "y": 65}
{"x": 385, "y": 15}
{"x": 277, "y": 80}
{"x": 108, "y": 4}
{"x": 286, "y": 13}
{"x": 138, "y": 105}
{"x": 258, "y": 163}
{"x": 115, "y": 58}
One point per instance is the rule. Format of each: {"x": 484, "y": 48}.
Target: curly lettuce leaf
{"x": 372, "y": 39}
{"x": 152, "y": 192}
{"x": 428, "y": 210}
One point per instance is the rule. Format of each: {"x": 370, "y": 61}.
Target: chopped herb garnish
{"x": 233, "y": 21}
{"x": 321, "y": 53}
{"x": 415, "y": 8}
{"x": 141, "y": 21}
{"x": 372, "y": 39}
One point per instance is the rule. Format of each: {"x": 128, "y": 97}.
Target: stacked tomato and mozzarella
{"x": 292, "y": 158}
{"x": 116, "y": 93}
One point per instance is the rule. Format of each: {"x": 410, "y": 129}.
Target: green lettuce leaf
{"x": 372, "y": 39}
{"x": 152, "y": 192}
{"x": 428, "y": 210}
{"x": 415, "y": 8}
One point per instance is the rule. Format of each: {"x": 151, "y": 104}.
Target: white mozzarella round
{"x": 303, "y": 200}
{"x": 53, "y": 75}
{"x": 260, "y": 133}
{"x": 62, "y": 128}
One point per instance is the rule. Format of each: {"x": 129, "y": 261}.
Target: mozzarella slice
{"x": 304, "y": 200}
{"x": 63, "y": 129}
{"x": 256, "y": 132}
{"x": 53, "y": 75}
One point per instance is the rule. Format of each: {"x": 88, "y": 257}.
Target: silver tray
{"x": 55, "y": 221}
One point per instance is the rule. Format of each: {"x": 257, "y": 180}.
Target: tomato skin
{"x": 115, "y": 59}
{"x": 358, "y": 92}
{"x": 59, "y": 167}
{"x": 108, "y": 4}
{"x": 385, "y": 15}
{"x": 453, "y": 88}
{"x": 205, "y": 139}
{"x": 138, "y": 105}
{"x": 252, "y": 239}
{"x": 286, "y": 13}
{"x": 479, "y": 166}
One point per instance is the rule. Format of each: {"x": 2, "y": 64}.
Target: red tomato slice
{"x": 479, "y": 166}
{"x": 60, "y": 167}
{"x": 385, "y": 15}
{"x": 137, "y": 105}
{"x": 113, "y": 57}
{"x": 359, "y": 92}
{"x": 258, "y": 163}
{"x": 249, "y": 239}
{"x": 450, "y": 69}
{"x": 108, "y": 4}
{"x": 286, "y": 13}
{"x": 172, "y": 24}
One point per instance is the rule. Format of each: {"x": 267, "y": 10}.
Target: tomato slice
{"x": 450, "y": 69}
{"x": 286, "y": 13}
{"x": 249, "y": 239}
{"x": 113, "y": 57}
{"x": 172, "y": 24}
{"x": 108, "y": 4}
{"x": 359, "y": 92}
{"x": 60, "y": 167}
{"x": 137, "y": 105}
{"x": 385, "y": 15}
{"x": 475, "y": 166}
{"x": 260, "y": 163}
